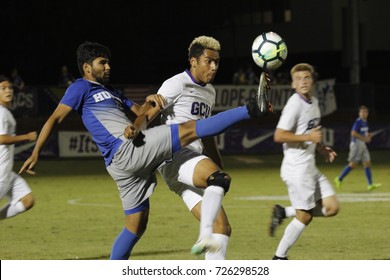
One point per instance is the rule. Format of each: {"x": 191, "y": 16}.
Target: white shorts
{"x": 306, "y": 189}
{"x": 14, "y": 189}
{"x": 178, "y": 174}
{"x": 358, "y": 152}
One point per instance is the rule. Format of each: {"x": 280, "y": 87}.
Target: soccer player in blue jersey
{"x": 358, "y": 151}
{"x": 132, "y": 156}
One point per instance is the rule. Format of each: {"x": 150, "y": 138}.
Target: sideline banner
{"x": 244, "y": 140}
{"x": 76, "y": 144}
{"x": 231, "y": 96}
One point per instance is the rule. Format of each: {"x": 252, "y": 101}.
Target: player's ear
{"x": 193, "y": 61}
{"x": 86, "y": 68}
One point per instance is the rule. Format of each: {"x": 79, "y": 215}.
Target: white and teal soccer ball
{"x": 269, "y": 51}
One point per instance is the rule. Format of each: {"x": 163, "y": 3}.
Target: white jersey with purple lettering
{"x": 186, "y": 100}
{"x": 299, "y": 116}
{"x": 7, "y": 127}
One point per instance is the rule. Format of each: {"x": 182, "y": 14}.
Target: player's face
{"x": 205, "y": 67}
{"x": 6, "y": 93}
{"x": 99, "y": 71}
{"x": 302, "y": 82}
{"x": 363, "y": 114}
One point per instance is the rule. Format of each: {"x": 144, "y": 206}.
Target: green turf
{"x": 78, "y": 215}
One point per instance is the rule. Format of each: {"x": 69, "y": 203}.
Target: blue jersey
{"x": 361, "y": 127}
{"x": 103, "y": 112}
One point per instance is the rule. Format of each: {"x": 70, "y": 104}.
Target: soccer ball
{"x": 269, "y": 51}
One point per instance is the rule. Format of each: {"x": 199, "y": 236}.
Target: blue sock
{"x": 123, "y": 245}
{"x": 220, "y": 122}
{"x": 367, "y": 170}
{"x": 345, "y": 172}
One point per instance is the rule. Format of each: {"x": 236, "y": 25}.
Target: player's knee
{"x": 28, "y": 201}
{"x": 219, "y": 179}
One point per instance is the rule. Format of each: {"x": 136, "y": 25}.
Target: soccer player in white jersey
{"x": 358, "y": 151}
{"x": 12, "y": 186}
{"x": 299, "y": 130}
{"x": 191, "y": 96}
{"x": 132, "y": 157}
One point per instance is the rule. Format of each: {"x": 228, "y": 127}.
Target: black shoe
{"x": 259, "y": 105}
{"x": 278, "y": 214}
{"x": 275, "y": 257}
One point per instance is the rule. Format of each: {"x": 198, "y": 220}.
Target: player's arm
{"x": 53, "y": 121}
{"x": 7, "y": 139}
{"x": 285, "y": 136}
{"x": 211, "y": 150}
{"x": 145, "y": 115}
{"x": 361, "y": 137}
{"x": 328, "y": 153}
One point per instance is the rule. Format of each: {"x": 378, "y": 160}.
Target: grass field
{"x": 78, "y": 215}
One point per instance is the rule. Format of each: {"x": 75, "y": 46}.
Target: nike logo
{"x": 23, "y": 147}
{"x": 249, "y": 143}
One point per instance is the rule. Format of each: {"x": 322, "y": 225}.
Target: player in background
{"x": 131, "y": 153}
{"x": 358, "y": 151}
{"x": 191, "y": 96}
{"x": 12, "y": 186}
{"x": 299, "y": 130}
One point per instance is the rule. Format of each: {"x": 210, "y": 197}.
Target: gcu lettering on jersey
{"x": 313, "y": 123}
{"x": 200, "y": 108}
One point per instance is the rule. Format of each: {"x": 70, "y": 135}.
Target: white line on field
{"x": 343, "y": 197}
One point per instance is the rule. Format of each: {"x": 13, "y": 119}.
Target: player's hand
{"x": 156, "y": 100}
{"x": 329, "y": 154}
{"x": 368, "y": 138}
{"x": 32, "y": 136}
{"x": 29, "y": 165}
{"x": 316, "y": 135}
{"x": 131, "y": 131}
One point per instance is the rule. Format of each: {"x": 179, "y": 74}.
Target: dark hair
{"x": 88, "y": 52}
{"x": 4, "y": 78}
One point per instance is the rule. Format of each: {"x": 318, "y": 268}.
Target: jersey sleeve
{"x": 74, "y": 95}
{"x": 171, "y": 90}
{"x": 289, "y": 115}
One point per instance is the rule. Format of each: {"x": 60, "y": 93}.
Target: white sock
{"x": 211, "y": 204}
{"x": 221, "y": 254}
{"x": 10, "y": 210}
{"x": 290, "y": 211}
{"x": 291, "y": 235}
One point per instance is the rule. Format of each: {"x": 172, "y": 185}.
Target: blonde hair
{"x": 304, "y": 67}
{"x": 199, "y": 44}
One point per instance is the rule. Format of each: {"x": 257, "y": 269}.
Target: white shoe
{"x": 206, "y": 244}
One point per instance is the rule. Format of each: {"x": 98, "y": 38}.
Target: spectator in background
{"x": 17, "y": 80}
{"x": 65, "y": 78}
{"x": 239, "y": 77}
{"x": 251, "y": 77}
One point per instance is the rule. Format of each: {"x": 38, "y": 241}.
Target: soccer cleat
{"x": 338, "y": 182}
{"x": 275, "y": 257}
{"x": 278, "y": 214}
{"x": 259, "y": 105}
{"x": 206, "y": 244}
{"x": 373, "y": 186}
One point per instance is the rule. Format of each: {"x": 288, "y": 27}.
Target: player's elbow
{"x": 278, "y": 136}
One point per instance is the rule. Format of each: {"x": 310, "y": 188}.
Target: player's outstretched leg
{"x": 260, "y": 105}
{"x": 278, "y": 214}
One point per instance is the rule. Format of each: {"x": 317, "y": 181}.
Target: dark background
{"x": 149, "y": 39}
